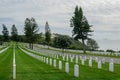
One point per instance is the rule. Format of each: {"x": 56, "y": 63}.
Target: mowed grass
{"x": 105, "y": 66}
{"x": 6, "y": 64}
{"x": 93, "y": 73}
{"x": 29, "y": 68}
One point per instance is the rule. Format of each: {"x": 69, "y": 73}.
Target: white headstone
{"x": 67, "y": 67}
{"x": 63, "y": 57}
{"x": 50, "y": 61}
{"x": 76, "y": 60}
{"x": 111, "y": 66}
{"x": 44, "y": 59}
{"x": 54, "y": 63}
{"x": 71, "y": 58}
{"x": 83, "y": 61}
{"x": 76, "y": 70}
{"x": 103, "y": 60}
{"x": 99, "y": 64}
{"x": 60, "y": 65}
{"x": 96, "y": 59}
{"x": 47, "y": 60}
{"x": 67, "y": 58}
{"x": 90, "y": 62}
{"x": 14, "y": 71}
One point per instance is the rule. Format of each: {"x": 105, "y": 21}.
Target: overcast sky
{"x": 104, "y": 15}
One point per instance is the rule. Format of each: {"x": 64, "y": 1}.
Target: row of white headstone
{"x": 1, "y": 51}
{"x": 66, "y": 58}
{"x": 53, "y": 62}
{"x": 14, "y": 64}
{"x": 76, "y": 66}
{"x": 104, "y": 53}
{"x": 96, "y": 52}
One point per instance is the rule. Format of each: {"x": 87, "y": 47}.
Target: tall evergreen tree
{"x": 47, "y": 33}
{"x": 14, "y": 33}
{"x": 5, "y": 33}
{"x": 31, "y": 30}
{"x": 81, "y": 27}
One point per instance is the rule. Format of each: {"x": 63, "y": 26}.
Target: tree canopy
{"x": 14, "y": 33}
{"x": 5, "y": 33}
{"x": 47, "y": 33}
{"x": 31, "y": 31}
{"x": 61, "y": 42}
{"x": 92, "y": 44}
{"x": 81, "y": 27}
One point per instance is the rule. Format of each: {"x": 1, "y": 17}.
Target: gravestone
{"x": 99, "y": 64}
{"x": 76, "y": 70}
{"x": 111, "y": 66}
{"x": 90, "y": 62}
{"x": 67, "y": 67}
{"x": 44, "y": 59}
{"x": 96, "y": 59}
{"x": 47, "y": 60}
{"x": 76, "y": 59}
{"x": 50, "y": 61}
{"x": 63, "y": 57}
{"x": 14, "y": 71}
{"x": 80, "y": 57}
{"x": 71, "y": 58}
{"x": 103, "y": 60}
{"x": 83, "y": 61}
{"x": 67, "y": 58}
{"x": 54, "y": 63}
{"x": 60, "y": 65}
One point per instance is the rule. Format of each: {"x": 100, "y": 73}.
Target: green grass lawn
{"x": 92, "y": 73}
{"x": 105, "y": 66}
{"x": 6, "y": 64}
{"x": 29, "y": 68}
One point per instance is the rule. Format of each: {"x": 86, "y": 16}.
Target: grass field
{"x": 29, "y": 68}
{"x": 87, "y": 73}
{"x": 6, "y": 64}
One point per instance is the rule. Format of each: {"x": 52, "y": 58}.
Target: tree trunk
{"x": 32, "y": 46}
{"x": 84, "y": 50}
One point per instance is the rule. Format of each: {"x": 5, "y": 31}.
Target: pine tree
{"x": 31, "y": 30}
{"x": 14, "y": 33}
{"x": 5, "y": 33}
{"x": 47, "y": 33}
{"x": 81, "y": 27}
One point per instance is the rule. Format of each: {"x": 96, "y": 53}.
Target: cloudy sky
{"x": 104, "y": 15}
